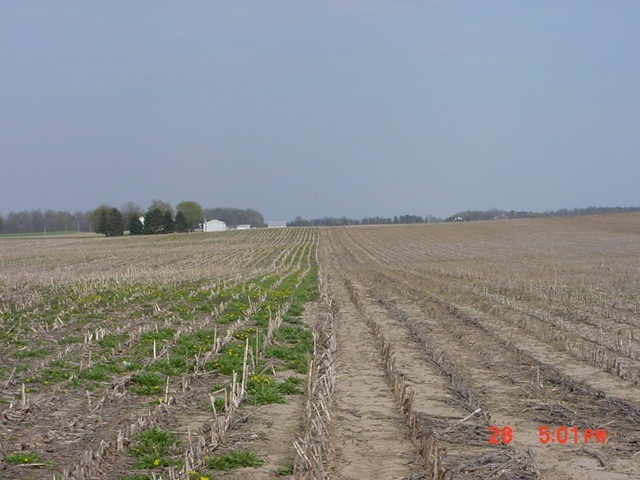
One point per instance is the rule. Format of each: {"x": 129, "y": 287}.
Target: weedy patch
{"x": 263, "y": 390}
{"x": 111, "y": 340}
{"x": 287, "y": 470}
{"x": 147, "y": 383}
{"x": 234, "y": 460}
{"x": 229, "y": 360}
{"x": 29, "y": 353}
{"x": 23, "y": 458}
{"x": 291, "y": 386}
{"x": 175, "y": 365}
{"x": 244, "y": 334}
{"x": 155, "y": 448}
{"x": 194, "y": 475}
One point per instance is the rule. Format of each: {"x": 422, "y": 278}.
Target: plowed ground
{"x": 533, "y": 322}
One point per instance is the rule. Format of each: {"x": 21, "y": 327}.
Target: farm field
{"x": 534, "y": 322}
{"x": 133, "y": 359}
{"x": 424, "y": 351}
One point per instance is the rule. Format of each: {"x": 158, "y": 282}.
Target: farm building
{"x": 243, "y": 227}
{"x": 276, "y": 224}
{"x": 214, "y": 226}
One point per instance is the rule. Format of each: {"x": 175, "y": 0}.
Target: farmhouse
{"x": 277, "y": 224}
{"x": 214, "y": 226}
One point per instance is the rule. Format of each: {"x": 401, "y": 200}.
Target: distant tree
{"x": 135, "y": 226}
{"x": 115, "y": 225}
{"x": 130, "y": 210}
{"x": 299, "y": 222}
{"x": 81, "y": 221}
{"x": 192, "y": 212}
{"x": 1, "y": 222}
{"x": 96, "y": 215}
{"x": 181, "y": 223}
{"x": 168, "y": 225}
{"x": 103, "y": 222}
{"x": 162, "y": 206}
{"x": 153, "y": 221}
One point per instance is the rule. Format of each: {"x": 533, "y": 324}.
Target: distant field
{"x": 192, "y": 356}
{"x": 48, "y": 234}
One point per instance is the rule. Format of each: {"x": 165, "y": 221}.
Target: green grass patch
{"x": 69, "y": 340}
{"x": 173, "y": 366}
{"x": 22, "y": 458}
{"x": 147, "y": 383}
{"x": 112, "y": 340}
{"x": 229, "y": 360}
{"x": 288, "y": 470}
{"x": 155, "y": 448}
{"x": 193, "y": 343}
{"x": 294, "y": 344}
{"x": 29, "y": 353}
{"x": 264, "y": 393}
{"x": 233, "y": 460}
{"x": 234, "y": 310}
{"x": 291, "y": 386}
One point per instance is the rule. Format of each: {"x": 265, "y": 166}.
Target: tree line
{"x": 495, "y": 214}
{"x": 159, "y": 217}
{"x": 48, "y": 220}
{"x": 340, "y": 221}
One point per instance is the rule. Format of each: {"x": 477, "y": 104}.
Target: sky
{"x": 320, "y": 108}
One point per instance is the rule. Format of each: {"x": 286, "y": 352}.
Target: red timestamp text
{"x": 563, "y": 434}
{"x": 551, "y": 435}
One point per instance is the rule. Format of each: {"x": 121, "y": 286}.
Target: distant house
{"x": 243, "y": 227}
{"x": 276, "y": 224}
{"x": 214, "y": 226}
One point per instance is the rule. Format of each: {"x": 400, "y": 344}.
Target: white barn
{"x": 243, "y": 227}
{"x": 214, "y": 226}
{"x": 277, "y": 224}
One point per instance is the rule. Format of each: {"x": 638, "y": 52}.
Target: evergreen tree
{"x": 168, "y": 225}
{"x": 103, "y": 223}
{"x": 135, "y": 226}
{"x": 181, "y": 223}
{"x": 153, "y": 221}
{"x": 115, "y": 224}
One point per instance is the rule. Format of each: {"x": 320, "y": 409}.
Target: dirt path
{"x": 369, "y": 434}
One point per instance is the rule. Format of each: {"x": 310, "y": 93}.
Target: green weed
{"x": 264, "y": 393}
{"x": 22, "y": 458}
{"x": 288, "y": 470}
{"x": 28, "y": 353}
{"x": 155, "y": 448}
{"x": 291, "y": 386}
{"x": 234, "y": 460}
{"x": 147, "y": 383}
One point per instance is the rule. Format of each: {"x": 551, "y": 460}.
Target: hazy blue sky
{"x": 318, "y": 108}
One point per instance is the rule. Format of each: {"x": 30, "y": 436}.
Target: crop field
{"x": 505, "y": 349}
{"x": 133, "y": 359}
